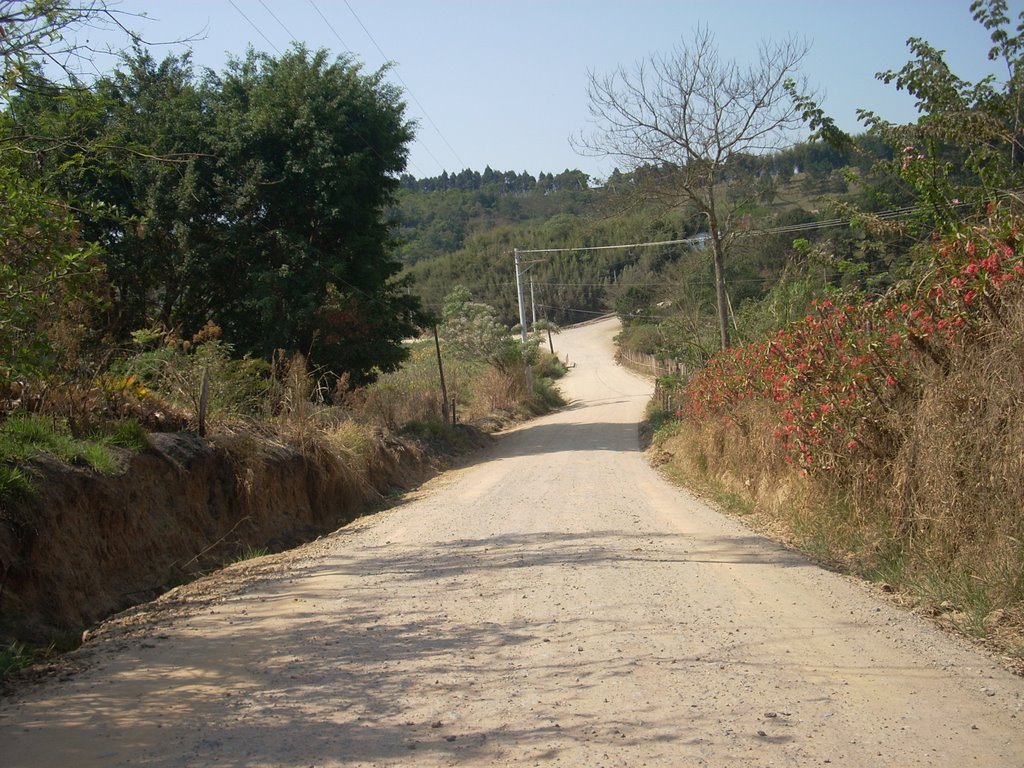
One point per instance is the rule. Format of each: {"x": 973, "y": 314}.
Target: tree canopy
{"x": 255, "y": 198}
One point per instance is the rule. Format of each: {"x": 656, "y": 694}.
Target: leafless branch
{"x": 688, "y": 113}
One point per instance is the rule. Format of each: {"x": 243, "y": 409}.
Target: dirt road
{"x": 556, "y": 603}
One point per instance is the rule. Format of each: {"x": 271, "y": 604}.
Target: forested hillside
{"x": 461, "y": 229}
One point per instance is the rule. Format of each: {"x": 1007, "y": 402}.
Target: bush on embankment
{"x": 887, "y": 434}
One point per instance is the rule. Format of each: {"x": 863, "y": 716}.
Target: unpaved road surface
{"x": 555, "y": 603}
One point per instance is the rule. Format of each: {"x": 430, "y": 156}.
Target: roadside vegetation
{"x": 156, "y": 275}
{"x": 839, "y": 317}
{"x": 872, "y": 416}
{"x": 163, "y": 268}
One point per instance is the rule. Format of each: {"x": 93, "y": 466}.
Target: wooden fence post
{"x": 440, "y": 371}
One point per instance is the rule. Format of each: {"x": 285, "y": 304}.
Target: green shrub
{"x": 549, "y": 366}
{"x": 546, "y": 396}
{"x": 175, "y": 371}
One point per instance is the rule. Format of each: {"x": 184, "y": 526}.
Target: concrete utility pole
{"x": 519, "y": 291}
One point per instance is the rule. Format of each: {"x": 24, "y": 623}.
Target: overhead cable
{"x": 275, "y": 18}
{"x": 253, "y": 25}
{"x": 346, "y": 47}
{"x": 330, "y": 26}
{"x": 411, "y": 94}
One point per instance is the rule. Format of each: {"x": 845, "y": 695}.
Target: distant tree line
{"x": 499, "y": 181}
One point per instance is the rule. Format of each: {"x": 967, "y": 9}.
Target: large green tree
{"x": 308, "y": 155}
{"x": 51, "y": 279}
{"x": 255, "y": 199}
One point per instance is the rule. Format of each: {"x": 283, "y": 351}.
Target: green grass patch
{"x": 27, "y": 436}
{"x": 17, "y": 656}
{"x": 128, "y": 434}
{"x": 660, "y": 418}
{"x": 14, "y": 657}
{"x": 966, "y": 597}
{"x": 732, "y": 502}
{"x": 889, "y": 565}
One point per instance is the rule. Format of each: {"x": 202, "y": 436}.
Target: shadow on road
{"x": 330, "y": 684}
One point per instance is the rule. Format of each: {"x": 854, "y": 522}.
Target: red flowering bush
{"x": 833, "y": 378}
{"x": 886, "y": 433}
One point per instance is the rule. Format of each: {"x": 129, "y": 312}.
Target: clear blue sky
{"x": 503, "y": 82}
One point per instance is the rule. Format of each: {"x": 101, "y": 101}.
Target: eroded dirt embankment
{"x": 89, "y": 545}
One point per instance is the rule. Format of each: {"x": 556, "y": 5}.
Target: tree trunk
{"x": 718, "y": 256}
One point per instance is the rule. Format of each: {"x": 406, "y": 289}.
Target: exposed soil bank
{"x": 89, "y": 545}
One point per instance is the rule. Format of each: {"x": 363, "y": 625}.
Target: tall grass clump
{"x": 15, "y": 483}
{"x": 889, "y": 432}
{"x": 476, "y": 386}
{"x": 413, "y": 392}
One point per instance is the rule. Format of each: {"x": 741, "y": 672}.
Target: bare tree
{"x": 684, "y": 115}
{"x": 66, "y": 38}
{"x": 50, "y": 32}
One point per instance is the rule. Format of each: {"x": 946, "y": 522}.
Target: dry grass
{"x": 498, "y": 392}
{"x": 956, "y": 480}
{"x": 940, "y": 515}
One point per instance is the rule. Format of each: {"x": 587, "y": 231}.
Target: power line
{"x": 686, "y": 240}
{"x": 366, "y": 141}
{"x": 275, "y": 18}
{"x": 329, "y": 25}
{"x": 411, "y": 94}
{"x": 571, "y": 309}
{"x": 895, "y": 213}
{"x": 345, "y": 46}
{"x": 253, "y": 25}
{"x": 785, "y": 229}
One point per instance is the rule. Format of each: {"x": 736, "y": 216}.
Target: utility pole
{"x": 533, "y": 306}
{"x": 519, "y": 291}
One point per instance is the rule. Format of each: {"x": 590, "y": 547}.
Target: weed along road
{"x": 554, "y": 603}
